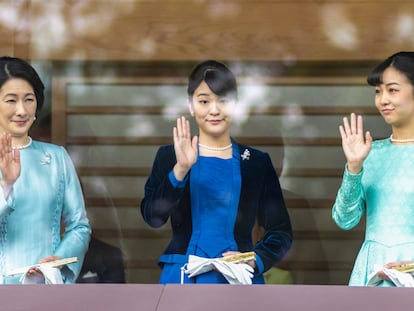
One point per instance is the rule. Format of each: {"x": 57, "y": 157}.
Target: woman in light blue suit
{"x": 42, "y": 211}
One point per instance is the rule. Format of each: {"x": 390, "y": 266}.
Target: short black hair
{"x": 13, "y": 67}
{"x": 401, "y": 61}
{"x": 218, "y": 77}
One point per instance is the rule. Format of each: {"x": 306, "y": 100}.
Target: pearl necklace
{"x": 394, "y": 140}
{"x": 215, "y": 148}
{"x": 24, "y": 146}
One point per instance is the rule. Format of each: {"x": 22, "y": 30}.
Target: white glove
{"x": 50, "y": 276}
{"x": 400, "y": 279}
{"x": 235, "y": 273}
{"x": 198, "y": 265}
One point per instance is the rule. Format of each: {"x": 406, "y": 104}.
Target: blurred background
{"x": 116, "y": 71}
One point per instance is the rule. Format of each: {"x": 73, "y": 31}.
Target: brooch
{"x": 46, "y": 159}
{"x": 246, "y": 154}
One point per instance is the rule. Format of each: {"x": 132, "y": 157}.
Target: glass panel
{"x": 310, "y": 171}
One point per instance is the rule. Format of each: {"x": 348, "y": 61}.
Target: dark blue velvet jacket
{"x": 260, "y": 198}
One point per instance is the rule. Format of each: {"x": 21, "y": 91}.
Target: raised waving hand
{"x": 355, "y": 143}
{"x": 9, "y": 161}
{"x": 185, "y": 147}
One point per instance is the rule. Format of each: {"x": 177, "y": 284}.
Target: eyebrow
{"x": 203, "y": 94}
{"x": 391, "y": 83}
{"x": 14, "y": 94}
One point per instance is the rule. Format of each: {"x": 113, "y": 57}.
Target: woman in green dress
{"x": 379, "y": 175}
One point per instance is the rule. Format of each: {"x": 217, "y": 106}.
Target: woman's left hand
{"x": 36, "y": 271}
{"x": 49, "y": 258}
{"x": 251, "y": 263}
{"x": 391, "y": 265}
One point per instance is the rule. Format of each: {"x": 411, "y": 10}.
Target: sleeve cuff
{"x": 177, "y": 183}
{"x": 350, "y": 188}
{"x": 351, "y": 174}
{"x": 6, "y": 204}
{"x": 259, "y": 265}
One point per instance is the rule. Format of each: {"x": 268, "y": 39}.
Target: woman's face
{"x": 17, "y": 107}
{"x": 394, "y": 98}
{"x": 211, "y": 112}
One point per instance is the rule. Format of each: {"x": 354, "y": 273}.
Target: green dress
{"x": 384, "y": 190}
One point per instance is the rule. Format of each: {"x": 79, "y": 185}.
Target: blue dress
{"x": 384, "y": 190}
{"x": 46, "y": 198}
{"x": 215, "y": 190}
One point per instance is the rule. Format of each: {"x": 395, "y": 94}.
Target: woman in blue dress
{"x": 213, "y": 189}
{"x": 378, "y": 177}
{"x": 42, "y": 211}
